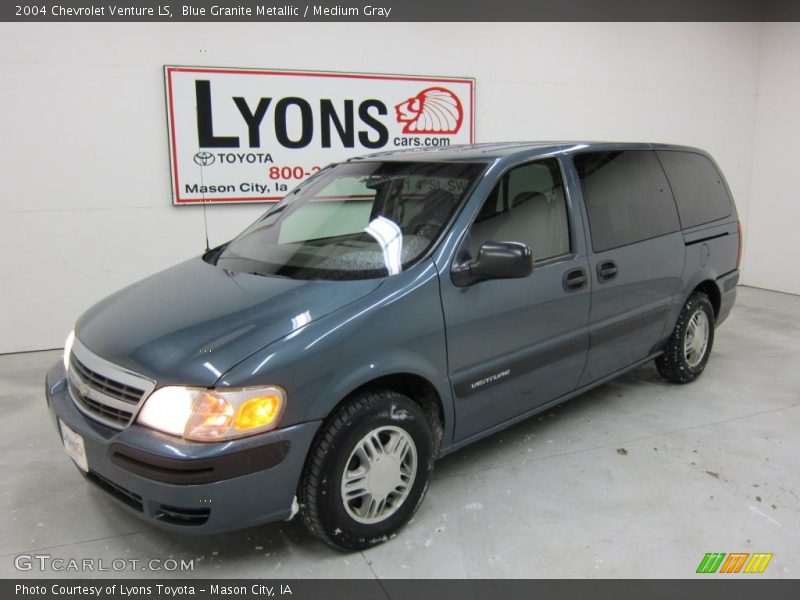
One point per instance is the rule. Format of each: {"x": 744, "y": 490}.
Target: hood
{"x": 193, "y": 322}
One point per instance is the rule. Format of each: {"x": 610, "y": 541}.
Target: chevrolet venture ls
{"x": 392, "y": 309}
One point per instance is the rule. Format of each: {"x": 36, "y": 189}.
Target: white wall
{"x": 772, "y": 253}
{"x": 85, "y": 206}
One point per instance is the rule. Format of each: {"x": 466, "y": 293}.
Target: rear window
{"x": 627, "y": 197}
{"x": 699, "y": 191}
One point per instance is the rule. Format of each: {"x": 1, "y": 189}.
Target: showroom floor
{"x": 635, "y": 479}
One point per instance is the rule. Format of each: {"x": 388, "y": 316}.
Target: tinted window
{"x": 627, "y": 197}
{"x": 699, "y": 191}
{"x": 528, "y": 205}
{"x": 353, "y": 221}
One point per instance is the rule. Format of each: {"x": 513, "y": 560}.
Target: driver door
{"x": 516, "y": 344}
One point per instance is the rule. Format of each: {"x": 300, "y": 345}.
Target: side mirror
{"x": 496, "y": 260}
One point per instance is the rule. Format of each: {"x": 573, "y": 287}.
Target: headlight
{"x": 68, "y": 348}
{"x": 211, "y": 415}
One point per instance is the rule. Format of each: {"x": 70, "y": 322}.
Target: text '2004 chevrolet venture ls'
{"x": 391, "y": 309}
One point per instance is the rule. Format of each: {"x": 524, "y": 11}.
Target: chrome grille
{"x": 120, "y": 418}
{"x": 104, "y": 391}
{"x": 103, "y": 384}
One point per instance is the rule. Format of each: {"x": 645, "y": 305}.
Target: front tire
{"x": 367, "y": 471}
{"x": 688, "y": 348}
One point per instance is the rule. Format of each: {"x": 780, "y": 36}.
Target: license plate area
{"x": 74, "y": 446}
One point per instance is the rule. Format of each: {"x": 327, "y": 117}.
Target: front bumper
{"x": 185, "y": 486}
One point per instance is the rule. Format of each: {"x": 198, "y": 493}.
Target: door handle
{"x": 606, "y": 270}
{"x": 574, "y": 279}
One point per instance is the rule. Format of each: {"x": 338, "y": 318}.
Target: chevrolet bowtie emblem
{"x": 83, "y": 388}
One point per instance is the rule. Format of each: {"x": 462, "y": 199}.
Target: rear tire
{"x": 688, "y": 348}
{"x": 367, "y": 471}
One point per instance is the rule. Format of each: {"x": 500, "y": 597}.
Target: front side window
{"x": 528, "y": 205}
{"x": 354, "y": 221}
{"x": 627, "y": 197}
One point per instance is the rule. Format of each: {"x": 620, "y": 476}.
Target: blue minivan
{"x": 392, "y": 309}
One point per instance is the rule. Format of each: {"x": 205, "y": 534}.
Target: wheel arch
{"x": 417, "y": 388}
{"x": 710, "y": 288}
{"x": 705, "y": 282}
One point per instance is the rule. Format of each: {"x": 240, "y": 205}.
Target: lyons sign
{"x": 248, "y": 135}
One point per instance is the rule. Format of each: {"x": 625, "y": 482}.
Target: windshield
{"x": 353, "y": 221}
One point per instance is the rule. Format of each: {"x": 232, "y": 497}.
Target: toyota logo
{"x": 204, "y": 159}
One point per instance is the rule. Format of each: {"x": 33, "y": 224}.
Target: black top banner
{"x": 399, "y": 10}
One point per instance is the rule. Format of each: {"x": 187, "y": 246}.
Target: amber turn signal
{"x": 257, "y": 412}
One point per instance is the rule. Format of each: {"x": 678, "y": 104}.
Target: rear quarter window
{"x": 627, "y": 197}
{"x": 698, "y": 187}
